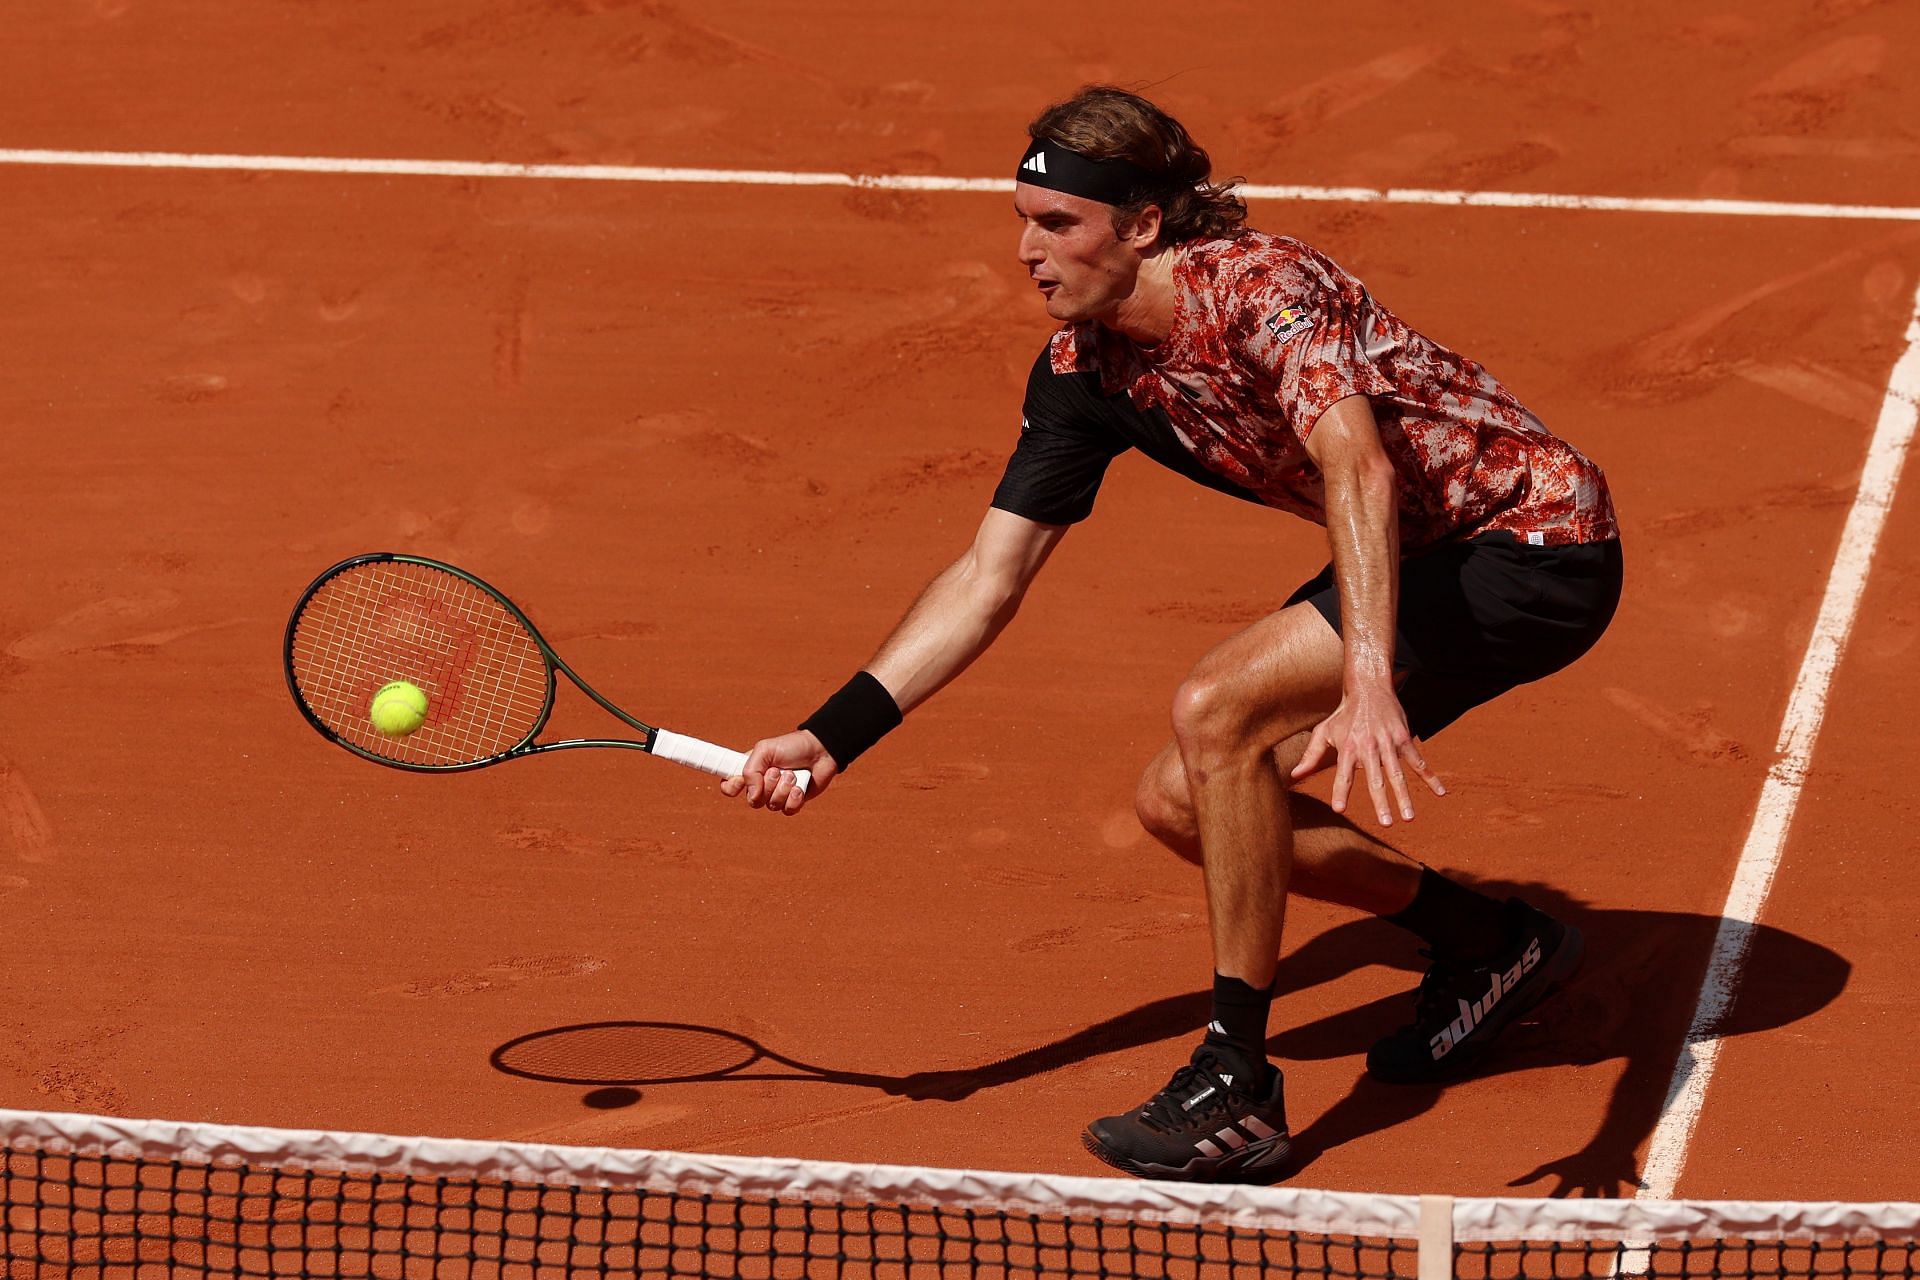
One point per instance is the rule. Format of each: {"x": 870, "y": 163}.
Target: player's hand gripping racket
{"x": 486, "y": 673}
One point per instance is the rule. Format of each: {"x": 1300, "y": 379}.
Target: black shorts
{"x": 1481, "y": 616}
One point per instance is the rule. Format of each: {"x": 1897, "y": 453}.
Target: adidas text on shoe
{"x": 1462, "y": 1007}
{"x": 1207, "y": 1125}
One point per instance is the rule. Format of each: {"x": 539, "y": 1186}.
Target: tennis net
{"x": 98, "y": 1198}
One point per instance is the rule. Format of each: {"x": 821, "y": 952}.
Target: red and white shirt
{"x": 1267, "y": 334}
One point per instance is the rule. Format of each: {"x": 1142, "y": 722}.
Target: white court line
{"x": 914, "y": 182}
{"x": 1760, "y": 858}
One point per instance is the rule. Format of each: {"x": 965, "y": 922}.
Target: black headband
{"x": 1116, "y": 182}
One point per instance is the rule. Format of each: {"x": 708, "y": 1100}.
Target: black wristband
{"x": 853, "y": 719}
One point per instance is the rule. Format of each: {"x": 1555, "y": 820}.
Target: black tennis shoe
{"x": 1212, "y": 1123}
{"x": 1462, "y": 1006}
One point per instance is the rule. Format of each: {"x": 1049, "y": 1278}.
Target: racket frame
{"x": 650, "y": 735}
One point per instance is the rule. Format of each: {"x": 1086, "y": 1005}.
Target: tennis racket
{"x": 487, "y": 673}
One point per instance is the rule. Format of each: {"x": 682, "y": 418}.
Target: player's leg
{"x": 1222, "y": 1116}
{"x": 1333, "y": 859}
{"x": 1477, "y": 619}
{"x": 1468, "y": 934}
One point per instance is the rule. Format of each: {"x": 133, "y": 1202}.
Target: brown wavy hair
{"x": 1105, "y": 122}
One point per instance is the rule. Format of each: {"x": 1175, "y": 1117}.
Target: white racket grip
{"x": 710, "y": 758}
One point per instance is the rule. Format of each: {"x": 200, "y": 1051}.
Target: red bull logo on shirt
{"x": 1288, "y": 321}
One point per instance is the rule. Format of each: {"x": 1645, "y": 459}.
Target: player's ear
{"x": 1142, "y": 231}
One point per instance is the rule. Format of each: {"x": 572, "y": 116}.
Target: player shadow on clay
{"x": 1633, "y": 1001}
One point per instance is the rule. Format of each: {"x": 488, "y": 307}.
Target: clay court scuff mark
{"x": 1508, "y": 816}
{"x": 336, "y": 306}
{"x": 1818, "y": 85}
{"x": 1535, "y": 788}
{"x": 1679, "y": 361}
{"x": 952, "y": 466}
{"x": 1691, "y": 731}
{"x": 887, "y": 206}
{"x": 1774, "y": 146}
{"x": 1167, "y": 925}
{"x": 1045, "y": 940}
{"x": 932, "y": 777}
{"x": 550, "y": 841}
{"x": 510, "y": 972}
{"x": 1819, "y": 386}
{"x": 531, "y": 517}
{"x": 747, "y": 1138}
{"x": 732, "y": 448}
{"x": 1332, "y": 96}
{"x": 68, "y": 1069}
{"x": 1736, "y": 614}
{"x": 192, "y": 388}
{"x": 682, "y": 39}
{"x": 1761, "y": 507}
{"x": 629, "y": 1127}
{"x": 91, "y": 625}
{"x": 512, "y": 326}
{"x": 1121, "y": 829}
{"x": 1013, "y": 877}
{"x": 29, "y": 832}
{"x": 609, "y": 631}
{"x": 1219, "y": 613}
{"x": 1125, "y": 893}
{"x": 1491, "y": 168}
{"x": 81, "y": 1088}
{"x": 152, "y": 640}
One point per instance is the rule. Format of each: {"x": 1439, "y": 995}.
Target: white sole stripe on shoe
{"x": 1259, "y": 1128}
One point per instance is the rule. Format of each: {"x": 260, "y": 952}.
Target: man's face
{"x": 1068, "y": 246}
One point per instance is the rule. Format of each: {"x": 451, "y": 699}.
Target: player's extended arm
{"x": 1363, "y": 525}
{"x": 953, "y": 622}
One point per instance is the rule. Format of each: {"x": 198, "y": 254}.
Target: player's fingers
{"x": 776, "y": 784}
{"x": 1410, "y": 752}
{"x": 1397, "y": 780}
{"x": 1342, "y": 780}
{"x": 787, "y": 795}
{"x": 731, "y": 787}
{"x": 1316, "y": 748}
{"x": 1376, "y": 783}
{"x": 753, "y": 773}
{"x": 796, "y": 797}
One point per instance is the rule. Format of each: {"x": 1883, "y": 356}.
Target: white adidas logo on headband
{"x": 1036, "y": 163}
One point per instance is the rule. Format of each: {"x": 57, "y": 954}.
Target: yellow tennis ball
{"x": 398, "y": 709}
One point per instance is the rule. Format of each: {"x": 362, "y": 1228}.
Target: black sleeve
{"x": 1064, "y": 448}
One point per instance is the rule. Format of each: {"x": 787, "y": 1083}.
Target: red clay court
{"x": 714, "y": 435}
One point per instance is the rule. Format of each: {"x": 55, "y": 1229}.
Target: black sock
{"x": 1453, "y": 919}
{"x": 1240, "y": 1021}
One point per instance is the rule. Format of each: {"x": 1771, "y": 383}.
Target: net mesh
{"x": 97, "y": 1199}
{"x": 486, "y": 680}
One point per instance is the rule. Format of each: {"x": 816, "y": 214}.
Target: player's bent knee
{"x": 1211, "y": 722}
{"x": 1164, "y": 809}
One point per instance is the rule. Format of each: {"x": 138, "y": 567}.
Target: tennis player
{"x": 1471, "y": 551}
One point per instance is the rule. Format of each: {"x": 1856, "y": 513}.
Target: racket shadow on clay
{"x": 656, "y": 1053}
{"x": 632, "y": 1054}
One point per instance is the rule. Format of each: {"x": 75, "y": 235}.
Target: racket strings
{"x": 485, "y": 677}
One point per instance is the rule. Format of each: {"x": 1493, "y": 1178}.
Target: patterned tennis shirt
{"x": 1267, "y": 334}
